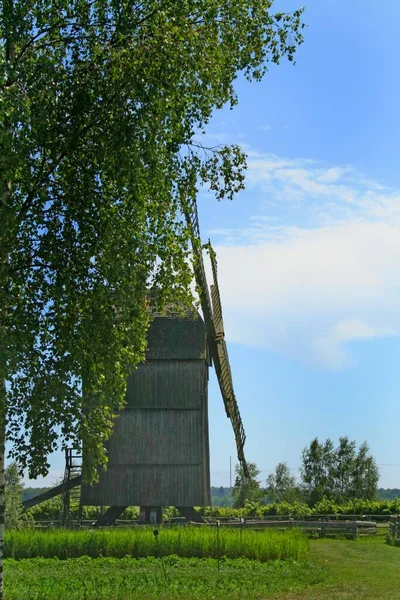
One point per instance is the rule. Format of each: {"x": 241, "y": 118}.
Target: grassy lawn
{"x": 150, "y": 579}
{"x": 365, "y": 569}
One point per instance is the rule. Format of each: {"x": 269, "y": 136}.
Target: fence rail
{"x": 320, "y": 527}
{"x": 394, "y": 531}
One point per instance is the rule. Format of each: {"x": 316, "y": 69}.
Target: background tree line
{"x": 340, "y": 479}
{"x": 340, "y": 474}
{"x": 337, "y": 474}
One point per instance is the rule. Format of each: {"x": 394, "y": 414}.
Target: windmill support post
{"x": 150, "y": 515}
{"x": 109, "y": 516}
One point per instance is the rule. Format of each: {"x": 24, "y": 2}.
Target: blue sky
{"x": 309, "y": 253}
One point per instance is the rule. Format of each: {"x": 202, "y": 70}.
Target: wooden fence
{"x": 321, "y": 528}
{"x": 394, "y": 531}
{"x": 325, "y": 525}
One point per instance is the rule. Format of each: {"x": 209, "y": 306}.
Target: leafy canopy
{"x": 246, "y": 489}
{"x": 281, "y": 485}
{"x": 340, "y": 473}
{"x": 100, "y": 102}
{"x": 15, "y": 518}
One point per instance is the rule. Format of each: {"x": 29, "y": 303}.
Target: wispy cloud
{"x": 330, "y": 187}
{"x": 308, "y": 289}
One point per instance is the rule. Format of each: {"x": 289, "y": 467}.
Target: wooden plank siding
{"x": 157, "y": 437}
{"x": 159, "y": 450}
{"x": 168, "y": 384}
{"x": 176, "y": 337}
{"x": 150, "y": 485}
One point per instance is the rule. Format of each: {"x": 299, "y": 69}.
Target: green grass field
{"x": 186, "y": 542}
{"x": 364, "y": 569}
{"x": 152, "y": 579}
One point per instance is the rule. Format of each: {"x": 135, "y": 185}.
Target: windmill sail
{"x": 223, "y": 370}
{"x": 212, "y": 311}
{"x": 192, "y": 221}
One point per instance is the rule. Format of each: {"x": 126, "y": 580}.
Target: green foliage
{"x": 15, "y": 518}
{"x": 300, "y": 509}
{"x": 189, "y": 541}
{"x": 258, "y": 509}
{"x": 388, "y": 494}
{"x": 335, "y": 569}
{"x": 100, "y": 102}
{"x": 339, "y": 473}
{"x": 13, "y": 496}
{"x": 295, "y": 509}
{"x": 281, "y": 485}
{"x": 99, "y": 105}
{"x": 50, "y": 510}
{"x": 246, "y": 489}
{"x": 221, "y": 496}
{"x": 133, "y": 579}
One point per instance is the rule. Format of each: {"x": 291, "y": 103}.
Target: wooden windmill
{"x": 159, "y": 450}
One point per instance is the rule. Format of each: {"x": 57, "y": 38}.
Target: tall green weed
{"x": 200, "y": 542}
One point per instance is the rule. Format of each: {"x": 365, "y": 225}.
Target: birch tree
{"x": 100, "y": 102}
{"x": 340, "y": 473}
{"x": 246, "y": 489}
{"x": 281, "y": 485}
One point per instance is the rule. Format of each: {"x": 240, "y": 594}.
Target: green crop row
{"x": 150, "y": 579}
{"x": 51, "y": 510}
{"x": 201, "y": 542}
{"x": 298, "y": 509}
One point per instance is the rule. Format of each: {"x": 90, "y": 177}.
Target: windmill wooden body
{"x": 159, "y": 450}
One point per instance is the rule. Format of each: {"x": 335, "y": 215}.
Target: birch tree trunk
{"x": 2, "y": 461}
{"x": 10, "y": 57}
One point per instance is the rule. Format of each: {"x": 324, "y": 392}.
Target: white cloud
{"x": 309, "y": 290}
{"x": 321, "y": 187}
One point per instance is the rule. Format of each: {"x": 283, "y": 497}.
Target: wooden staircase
{"x": 71, "y": 495}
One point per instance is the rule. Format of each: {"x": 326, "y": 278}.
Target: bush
{"x": 51, "y": 510}
{"x": 14, "y": 516}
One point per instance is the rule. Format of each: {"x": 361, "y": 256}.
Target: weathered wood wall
{"x": 159, "y": 451}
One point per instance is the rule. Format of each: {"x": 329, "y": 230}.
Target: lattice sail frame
{"x": 212, "y": 312}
